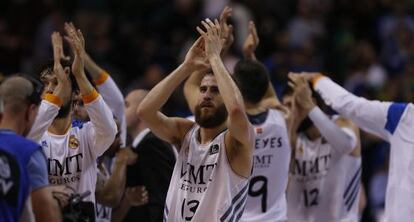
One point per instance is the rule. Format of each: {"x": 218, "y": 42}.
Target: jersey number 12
{"x": 311, "y": 197}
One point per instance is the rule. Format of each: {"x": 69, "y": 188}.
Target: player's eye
{"x": 203, "y": 89}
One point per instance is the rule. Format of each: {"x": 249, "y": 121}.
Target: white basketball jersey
{"x": 203, "y": 186}
{"x": 324, "y": 185}
{"x": 266, "y": 199}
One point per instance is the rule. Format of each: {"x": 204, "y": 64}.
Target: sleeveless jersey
{"x": 324, "y": 185}
{"x": 266, "y": 199}
{"x": 15, "y": 153}
{"x": 203, "y": 186}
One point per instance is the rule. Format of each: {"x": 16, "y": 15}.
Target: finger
{"x": 291, "y": 85}
{"x": 211, "y": 24}
{"x": 66, "y": 27}
{"x": 217, "y": 28}
{"x": 199, "y": 30}
{"x": 198, "y": 42}
{"x": 72, "y": 26}
{"x": 253, "y": 30}
{"x": 82, "y": 39}
{"x": 56, "y": 48}
{"x": 225, "y": 14}
{"x": 206, "y": 26}
{"x": 231, "y": 29}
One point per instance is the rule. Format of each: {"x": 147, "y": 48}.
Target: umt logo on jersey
{"x": 262, "y": 161}
{"x": 311, "y": 169}
{"x": 195, "y": 178}
{"x": 67, "y": 171}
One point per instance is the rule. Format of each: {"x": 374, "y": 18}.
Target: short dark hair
{"x": 252, "y": 78}
{"x": 47, "y": 67}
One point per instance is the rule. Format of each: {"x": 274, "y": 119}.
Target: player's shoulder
{"x": 277, "y": 116}
{"x": 15, "y": 140}
{"x": 18, "y": 139}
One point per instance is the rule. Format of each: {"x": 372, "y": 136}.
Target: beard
{"x": 211, "y": 120}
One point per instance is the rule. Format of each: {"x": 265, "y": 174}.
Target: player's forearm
{"x": 343, "y": 142}
{"x": 293, "y": 126}
{"x": 94, "y": 70}
{"x": 48, "y": 110}
{"x": 369, "y": 115}
{"x": 111, "y": 192}
{"x": 114, "y": 99}
{"x": 160, "y": 93}
{"x": 45, "y": 207}
{"x": 191, "y": 88}
{"x": 229, "y": 91}
{"x": 104, "y": 126}
{"x": 85, "y": 87}
{"x": 121, "y": 211}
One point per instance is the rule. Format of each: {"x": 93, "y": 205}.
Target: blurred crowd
{"x": 365, "y": 45}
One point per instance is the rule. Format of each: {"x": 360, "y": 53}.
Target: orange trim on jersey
{"x": 102, "y": 78}
{"x": 53, "y": 99}
{"x": 316, "y": 79}
{"x": 90, "y": 97}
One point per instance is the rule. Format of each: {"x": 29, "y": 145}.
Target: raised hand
{"x": 196, "y": 56}
{"x": 212, "y": 37}
{"x": 302, "y": 93}
{"x": 70, "y": 28}
{"x": 226, "y": 29}
{"x": 63, "y": 88}
{"x": 136, "y": 196}
{"x": 77, "y": 45}
{"x": 251, "y": 42}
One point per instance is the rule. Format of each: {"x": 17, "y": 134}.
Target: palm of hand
{"x": 214, "y": 46}
{"x": 197, "y": 57}
{"x": 303, "y": 98}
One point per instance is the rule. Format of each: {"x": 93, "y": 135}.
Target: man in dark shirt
{"x": 153, "y": 169}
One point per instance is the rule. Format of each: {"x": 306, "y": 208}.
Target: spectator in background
{"x": 153, "y": 170}
{"x": 366, "y": 71}
{"x": 396, "y": 31}
{"x": 305, "y": 27}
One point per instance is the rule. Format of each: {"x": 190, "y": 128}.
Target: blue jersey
{"x": 15, "y": 154}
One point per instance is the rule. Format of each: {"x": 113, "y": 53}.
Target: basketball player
{"x": 109, "y": 189}
{"x": 266, "y": 200}
{"x": 106, "y": 86}
{"x": 388, "y": 120}
{"x": 72, "y": 151}
{"x": 210, "y": 178}
{"x": 326, "y": 163}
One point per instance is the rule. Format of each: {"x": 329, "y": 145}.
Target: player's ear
{"x": 67, "y": 70}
